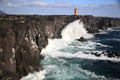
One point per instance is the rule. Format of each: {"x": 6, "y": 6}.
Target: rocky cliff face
{"x": 23, "y": 37}
{"x": 21, "y": 40}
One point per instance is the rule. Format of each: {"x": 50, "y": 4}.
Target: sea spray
{"x": 35, "y": 76}
{"x": 62, "y": 55}
{"x": 75, "y": 30}
{"x": 65, "y": 57}
{"x": 72, "y": 31}
{"x": 54, "y": 52}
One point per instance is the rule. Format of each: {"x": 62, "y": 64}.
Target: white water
{"x": 58, "y": 48}
{"x": 54, "y": 47}
{"x": 71, "y": 32}
{"x": 74, "y": 30}
{"x": 35, "y": 76}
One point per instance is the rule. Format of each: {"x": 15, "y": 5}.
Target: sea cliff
{"x": 22, "y": 37}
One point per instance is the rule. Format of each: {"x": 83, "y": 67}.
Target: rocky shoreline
{"x": 22, "y": 37}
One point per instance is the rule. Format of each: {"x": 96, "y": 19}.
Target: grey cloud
{"x": 87, "y": 6}
{"x": 46, "y": 4}
{"x": 42, "y": 4}
{"x": 110, "y": 5}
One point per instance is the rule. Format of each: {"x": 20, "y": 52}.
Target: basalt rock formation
{"x": 22, "y": 37}
{"x": 82, "y": 39}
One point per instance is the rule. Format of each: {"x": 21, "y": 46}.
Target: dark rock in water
{"x": 82, "y": 39}
{"x": 22, "y": 37}
{"x": 113, "y": 54}
{"x": 97, "y": 54}
{"x": 42, "y": 57}
{"x": 98, "y": 45}
{"x": 110, "y": 54}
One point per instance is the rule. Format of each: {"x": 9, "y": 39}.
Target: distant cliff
{"x": 23, "y": 36}
{"x": 1, "y": 12}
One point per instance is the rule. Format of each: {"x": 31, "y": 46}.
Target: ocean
{"x": 69, "y": 59}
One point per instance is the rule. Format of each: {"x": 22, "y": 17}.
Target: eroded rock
{"x": 82, "y": 39}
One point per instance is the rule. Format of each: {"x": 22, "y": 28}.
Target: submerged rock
{"x": 97, "y": 54}
{"x": 113, "y": 54}
{"x": 110, "y": 54}
{"x": 82, "y": 39}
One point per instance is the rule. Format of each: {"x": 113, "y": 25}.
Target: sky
{"x": 109, "y": 8}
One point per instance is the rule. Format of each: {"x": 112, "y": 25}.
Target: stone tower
{"x": 75, "y": 11}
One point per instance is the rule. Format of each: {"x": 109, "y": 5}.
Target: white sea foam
{"x": 53, "y": 50}
{"x": 35, "y": 76}
{"x": 102, "y": 32}
{"x": 80, "y": 54}
{"x": 64, "y": 73}
{"x": 109, "y": 29}
{"x": 71, "y": 32}
{"x": 113, "y": 39}
{"x": 93, "y": 57}
{"x": 75, "y": 30}
{"x": 102, "y": 45}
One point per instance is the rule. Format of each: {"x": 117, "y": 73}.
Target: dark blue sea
{"x": 67, "y": 59}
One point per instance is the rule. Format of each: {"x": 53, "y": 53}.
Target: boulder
{"x": 82, "y": 39}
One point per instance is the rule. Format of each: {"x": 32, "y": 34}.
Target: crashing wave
{"x": 75, "y": 30}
